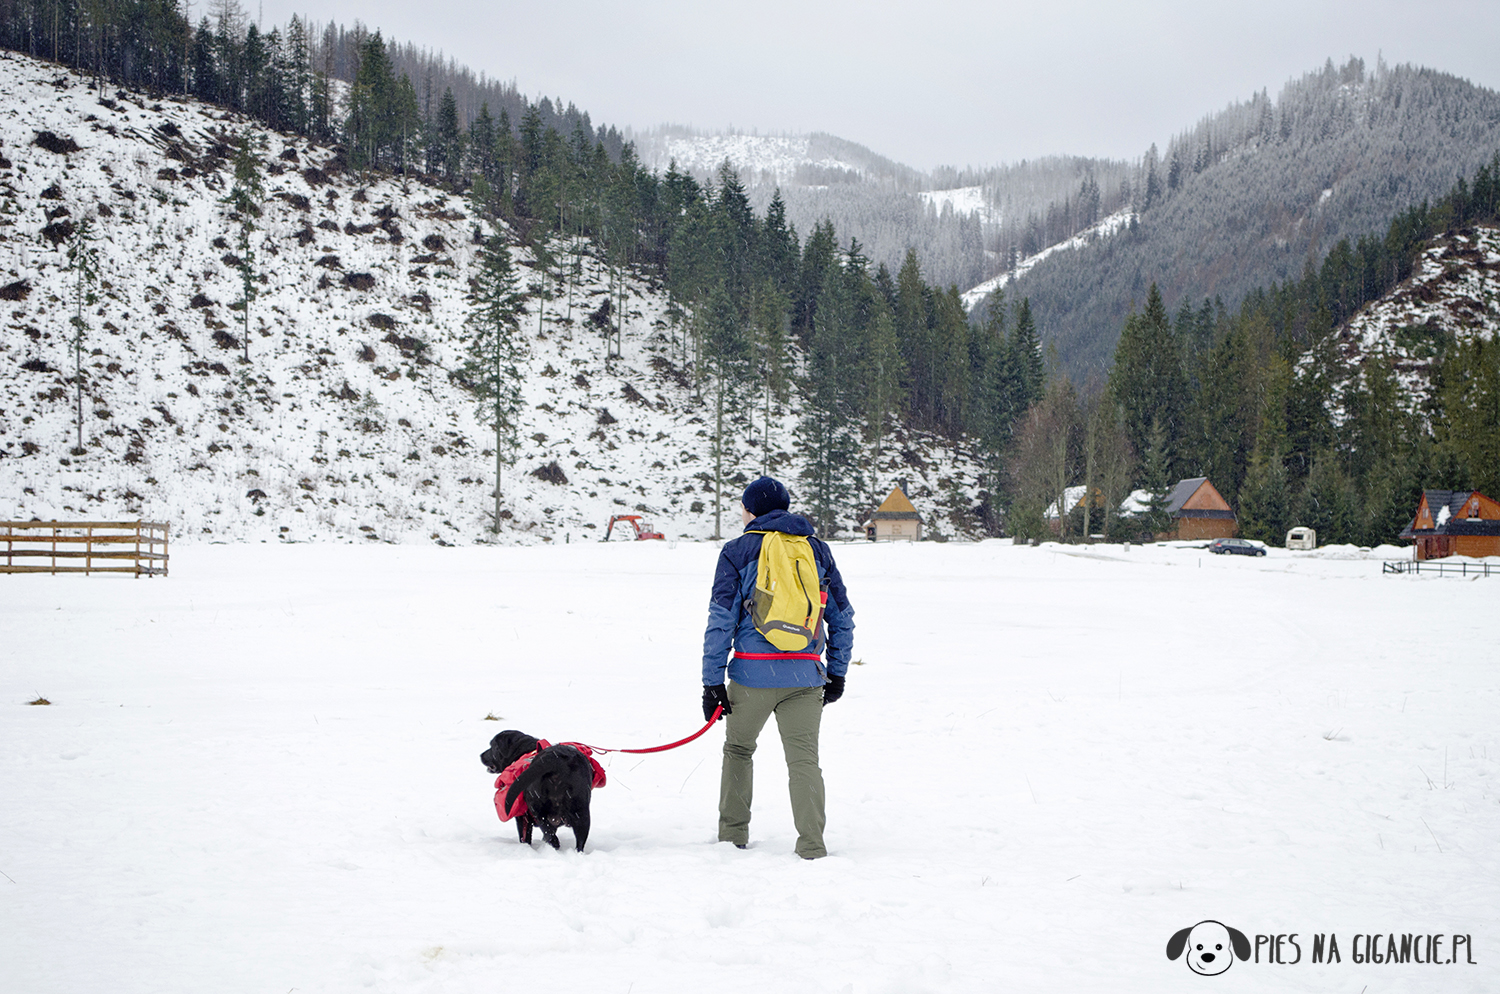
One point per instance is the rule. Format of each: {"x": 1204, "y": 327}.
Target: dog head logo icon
{"x": 1210, "y": 947}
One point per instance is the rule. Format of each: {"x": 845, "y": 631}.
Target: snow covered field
{"x": 262, "y": 774}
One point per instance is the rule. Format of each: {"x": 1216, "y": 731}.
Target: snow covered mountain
{"x": 345, "y": 423}
{"x": 884, "y": 205}
{"x": 815, "y": 159}
{"x": 1252, "y": 194}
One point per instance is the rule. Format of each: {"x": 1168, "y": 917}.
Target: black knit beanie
{"x": 764, "y": 495}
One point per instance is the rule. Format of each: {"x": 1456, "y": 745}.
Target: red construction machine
{"x": 642, "y": 528}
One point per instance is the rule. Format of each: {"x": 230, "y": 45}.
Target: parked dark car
{"x": 1235, "y": 547}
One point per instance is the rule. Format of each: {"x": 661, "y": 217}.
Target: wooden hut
{"x": 895, "y": 520}
{"x": 1199, "y": 512}
{"x": 1455, "y": 523}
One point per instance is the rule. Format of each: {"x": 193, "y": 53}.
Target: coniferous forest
{"x": 1256, "y": 192}
{"x": 765, "y": 312}
{"x": 1248, "y": 398}
{"x": 771, "y": 317}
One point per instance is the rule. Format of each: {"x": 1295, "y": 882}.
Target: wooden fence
{"x": 136, "y": 547}
{"x": 1439, "y": 567}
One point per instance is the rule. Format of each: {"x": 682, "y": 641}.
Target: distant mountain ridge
{"x": 1258, "y": 192}
{"x": 812, "y": 159}
{"x": 868, "y": 197}
{"x": 1247, "y": 196}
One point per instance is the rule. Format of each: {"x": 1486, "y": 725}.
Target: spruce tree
{"x": 1148, "y": 382}
{"x": 728, "y": 357}
{"x": 1156, "y": 480}
{"x": 734, "y": 233}
{"x": 1223, "y": 415}
{"x": 829, "y": 432}
{"x": 952, "y": 360}
{"x": 777, "y": 248}
{"x": 1026, "y": 349}
{"x": 494, "y": 350}
{"x": 506, "y": 156}
{"x": 771, "y": 343}
{"x": 819, "y": 258}
{"x": 449, "y": 139}
{"x": 244, "y": 201}
{"x": 994, "y": 411}
{"x": 882, "y": 373}
{"x": 83, "y": 264}
{"x": 297, "y": 77}
{"x": 533, "y": 133}
{"x": 406, "y": 126}
{"x": 370, "y": 129}
{"x": 914, "y": 332}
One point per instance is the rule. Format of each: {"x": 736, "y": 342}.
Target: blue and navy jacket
{"x": 756, "y": 662}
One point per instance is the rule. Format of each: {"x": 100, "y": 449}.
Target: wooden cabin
{"x": 1455, "y": 523}
{"x": 1199, "y": 512}
{"x": 895, "y": 520}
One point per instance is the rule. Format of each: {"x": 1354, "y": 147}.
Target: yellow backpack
{"x": 787, "y": 605}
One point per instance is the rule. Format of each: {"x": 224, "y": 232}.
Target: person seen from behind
{"x": 792, "y": 680}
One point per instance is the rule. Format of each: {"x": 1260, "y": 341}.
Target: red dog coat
{"x": 510, "y": 773}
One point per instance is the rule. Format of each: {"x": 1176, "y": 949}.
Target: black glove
{"x": 833, "y": 689}
{"x": 715, "y": 697}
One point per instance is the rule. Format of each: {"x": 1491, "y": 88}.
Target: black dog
{"x": 556, "y": 786}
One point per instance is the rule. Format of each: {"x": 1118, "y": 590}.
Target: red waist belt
{"x": 815, "y": 656}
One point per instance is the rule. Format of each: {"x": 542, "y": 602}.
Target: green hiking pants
{"x": 798, "y": 710}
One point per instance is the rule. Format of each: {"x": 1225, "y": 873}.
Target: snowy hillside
{"x": 961, "y": 200}
{"x": 806, "y": 160}
{"x": 345, "y": 422}
{"x": 761, "y": 158}
{"x": 1111, "y": 225}
{"x": 1453, "y": 295}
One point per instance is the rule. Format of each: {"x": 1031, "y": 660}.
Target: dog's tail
{"x": 539, "y": 767}
{"x": 518, "y": 788}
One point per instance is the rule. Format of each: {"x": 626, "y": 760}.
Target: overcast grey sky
{"x": 945, "y": 82}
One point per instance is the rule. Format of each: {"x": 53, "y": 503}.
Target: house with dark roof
{"x": 1199, "y": 512}
{"x": 896, "y": 520}
{"x": 1455, "y": 523}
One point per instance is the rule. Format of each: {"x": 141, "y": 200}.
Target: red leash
{"x": 671, "y": 745}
